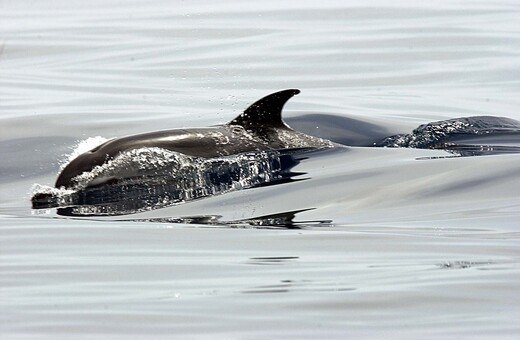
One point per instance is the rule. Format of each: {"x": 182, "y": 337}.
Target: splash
{"x": 151, "y": 178}
{"x": 82, "y": 147}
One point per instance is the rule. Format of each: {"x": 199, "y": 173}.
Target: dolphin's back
{"x": 259, "y": 127}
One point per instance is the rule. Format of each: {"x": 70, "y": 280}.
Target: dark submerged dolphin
{"x": 465, "y": 136}
{"x": 259, "y": 128}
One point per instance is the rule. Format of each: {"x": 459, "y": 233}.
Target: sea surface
{"x": 371, "y": 242}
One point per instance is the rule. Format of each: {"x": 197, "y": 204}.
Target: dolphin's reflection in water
{"x": 283, "y": 220}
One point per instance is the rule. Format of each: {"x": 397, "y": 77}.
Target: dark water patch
{"x": 272, "y": 260}
{"x": 339, "y": 129}
{"x": 287, "y": 286}
{"x": 269, "y": 291}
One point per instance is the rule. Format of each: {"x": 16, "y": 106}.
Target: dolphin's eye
{"x": 237, "y": 130}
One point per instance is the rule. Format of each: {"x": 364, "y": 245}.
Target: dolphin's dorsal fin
{"x": 266, "y": 112}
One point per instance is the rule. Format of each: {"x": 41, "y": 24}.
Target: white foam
{"x": 82, "y": 147}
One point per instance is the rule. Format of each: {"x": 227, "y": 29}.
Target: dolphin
{"x": 464, "y": 136}
{"x": 259, "y": 128}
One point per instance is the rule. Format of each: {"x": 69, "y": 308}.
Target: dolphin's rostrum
{"x": 260, "y": 127}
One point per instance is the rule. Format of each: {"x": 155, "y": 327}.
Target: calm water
{"x": 392, "y": 242}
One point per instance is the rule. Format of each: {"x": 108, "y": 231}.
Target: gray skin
{"x": 259, "y": 128}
